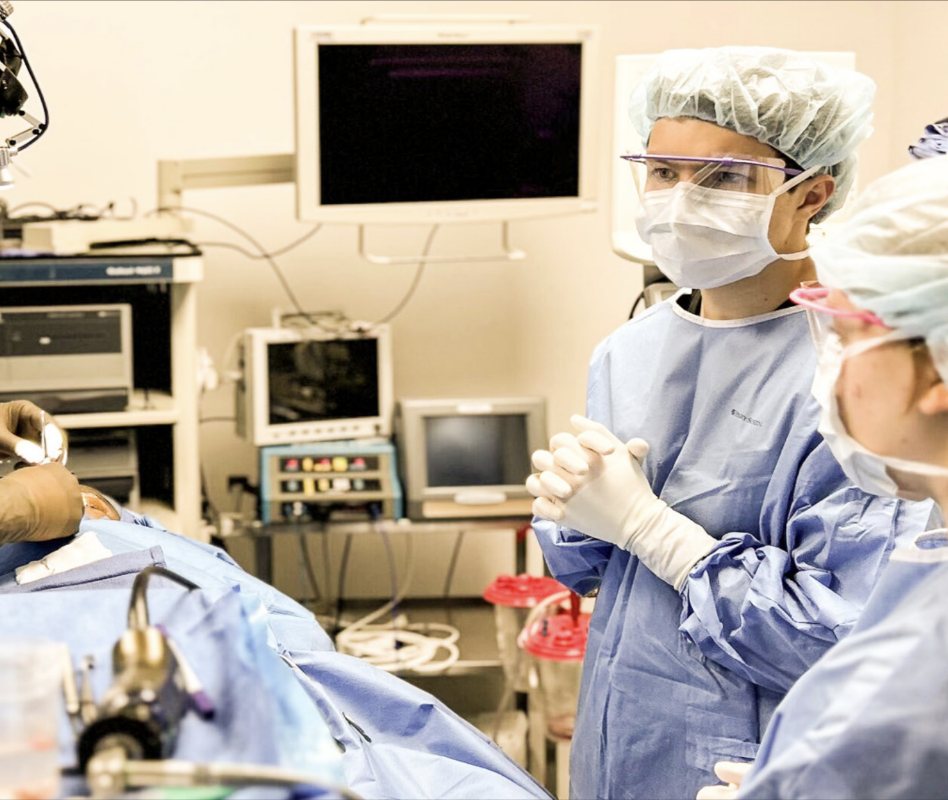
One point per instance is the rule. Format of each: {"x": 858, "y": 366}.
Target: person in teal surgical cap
{"x": 728, "y": 549}
{"x": 868, "y": 720}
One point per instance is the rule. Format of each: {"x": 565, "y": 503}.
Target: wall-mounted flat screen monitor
{"x": 444, "y": 123}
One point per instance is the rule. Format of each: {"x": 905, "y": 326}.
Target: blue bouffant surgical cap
{"x": 891, "y": 256}
{"x": 813, "y": 113}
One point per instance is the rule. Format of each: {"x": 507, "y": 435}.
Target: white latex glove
{"x": 592, "y": 482}
{"x": 732, "y": 773}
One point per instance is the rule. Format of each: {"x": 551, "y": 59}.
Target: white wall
{"x": 131, "y": 83}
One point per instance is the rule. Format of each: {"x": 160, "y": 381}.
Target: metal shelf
{"x": 153, "y": 408}
{"x": 113, "y": 276}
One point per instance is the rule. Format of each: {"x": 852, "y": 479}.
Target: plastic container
{"x": 559, "y": 644}
{"x": 513, "y": 598}
{"x": 31, "y": 673}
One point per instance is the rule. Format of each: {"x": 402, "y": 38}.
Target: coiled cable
{"x": 400, "y": 645}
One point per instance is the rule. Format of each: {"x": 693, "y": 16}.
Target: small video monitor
{"x": 470, "y": 457}
{"x": 307, "y": 385}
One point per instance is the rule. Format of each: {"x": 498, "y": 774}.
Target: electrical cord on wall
{"x": 263, "y": 252}
{"x": 273, "y": 253}
{"x": 13, "y": 224}
{"x": 39, "y": 203}
{"x": 449, "y": 578}
{"x": 306, "y": 564}
{"x": 392, "y": 569}
{"x": 414, "y": 284}
{"x": 401, "y": 646}
{"x": 452, "y": 564}
{"x": 270, "y": 258}
{"x": 341, "y": 583}
{"x": 76, "y": 213}
{"x": 326, "y": 560}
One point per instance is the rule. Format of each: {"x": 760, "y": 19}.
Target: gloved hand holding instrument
{"x": 593, "y": 483}
{"x": 41, "y": 500}
{"x": 30, "y": 434}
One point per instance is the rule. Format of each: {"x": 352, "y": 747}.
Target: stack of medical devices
{"x": 70, "y": 360}
{"x": 316, "y": 397}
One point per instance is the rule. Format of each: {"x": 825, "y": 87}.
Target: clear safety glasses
{"x": 813, "y": 298}
{"x": 820, "y": 317}
{"x": 653, "y": 173}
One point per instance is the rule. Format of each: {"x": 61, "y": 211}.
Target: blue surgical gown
{"x": 396, "y": 741}
{"x": 675, "y": 681}
{"x": 289, "y": 624}
{"x": 261, "y": 712}
{"x": 869, "y": 720}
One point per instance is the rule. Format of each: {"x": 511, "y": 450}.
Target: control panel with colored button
{"x": 316, "y": 480}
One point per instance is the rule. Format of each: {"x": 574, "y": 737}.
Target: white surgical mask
{"x": 865, "y": 469}
{"x": 702, "y": 238}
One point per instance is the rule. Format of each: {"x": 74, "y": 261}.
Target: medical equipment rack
{"x": 164, "y": 405}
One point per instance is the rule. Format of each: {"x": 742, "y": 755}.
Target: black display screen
{"x": 477, "y": 450}
{"x": 316, "y": 380}
{"x": 409, "y": 123}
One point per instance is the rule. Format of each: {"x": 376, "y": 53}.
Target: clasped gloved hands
{"x": 22, "y": 430}
{"x": 593, "y": 483}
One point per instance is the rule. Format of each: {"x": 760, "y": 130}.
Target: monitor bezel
{"x": 307, "y": 40}
{"x": 257, "y": 390}
{"x": 411, "y": 414}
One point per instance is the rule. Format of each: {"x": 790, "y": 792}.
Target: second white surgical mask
{"x": 865, "y": 469}
{"x": 702, "y": 238}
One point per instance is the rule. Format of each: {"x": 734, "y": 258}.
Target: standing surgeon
{"x": 728, "y": 548}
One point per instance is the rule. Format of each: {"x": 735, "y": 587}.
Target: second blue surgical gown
{"x": 673, "y": 682}
{"x": 869, "y": 719}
